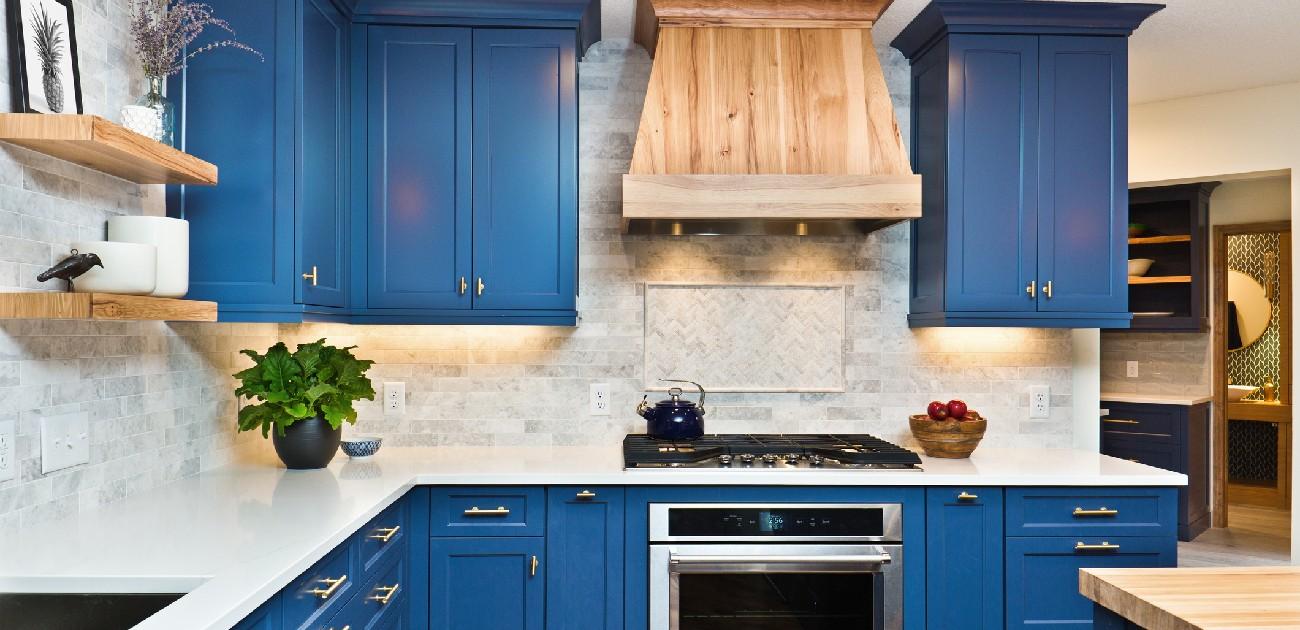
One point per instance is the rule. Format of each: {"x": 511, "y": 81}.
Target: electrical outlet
{"x": 8, "y": 448}
{"x": 599, "y": 401}
{"x": 65, "y": 441}
{"x": 1132, "y": 369}
{"x": 394, "y": 399}
{"x": 1040, "y": 401}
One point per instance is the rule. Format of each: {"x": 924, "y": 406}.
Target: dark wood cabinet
{"x": 1173, "y": 295}
{"x": 1173, "y": 437}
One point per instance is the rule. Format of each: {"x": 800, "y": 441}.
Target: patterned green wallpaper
{"x": 1261, "y": 361}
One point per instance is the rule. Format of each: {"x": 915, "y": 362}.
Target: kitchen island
{"x": 1242, "y": 598}
{"x": 234, "y": 537}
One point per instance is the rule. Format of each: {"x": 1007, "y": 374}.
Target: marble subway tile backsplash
{"x": 1168, "y": 363}
{"x": 159, "y": 395}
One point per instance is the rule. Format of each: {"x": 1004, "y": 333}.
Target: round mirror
{"x": 1249, "y": 303}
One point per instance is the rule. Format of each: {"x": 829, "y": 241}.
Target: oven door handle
{"x": 847, "y": 563}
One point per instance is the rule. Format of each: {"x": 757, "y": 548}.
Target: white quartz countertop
{"x": 1156, "y": 399}
{"x": 235, "y": 536}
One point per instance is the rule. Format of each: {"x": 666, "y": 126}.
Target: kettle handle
{"x": 700, "y": 404}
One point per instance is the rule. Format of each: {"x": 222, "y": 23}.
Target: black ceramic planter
{"x": 307, "y": 444}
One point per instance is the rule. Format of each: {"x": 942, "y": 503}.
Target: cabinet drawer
{"x": 319, "y": 593}
{"x": 1155, "y": 421}
{"x": 505, "y": 511}
{"x": 1042, "y": 574}
{"x": 1140, "y": 449}
{"x": 1092, "y": 512}
{"x": 383, "y": 534}
{"x": 377, "y": 600}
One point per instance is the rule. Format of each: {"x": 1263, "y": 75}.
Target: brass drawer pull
{"x": 1104, "y": 546}
{"x": 1120, "y": 421}
{"x": 532, "y": 570}
{"x": 1047, "y": 289}
{"x": 385, "y": 534}
{"x": 344, "y": 627}
{"x": 331, "y": 586}
{"x": 464, "y": 286}
{"x": 313, "y": 276}
{"x": 389, "y": 592}
{"x": 1101, "y": 511}
{"x": 1032, "y": 288}
{"x": 480, "y": 287}
{"x": 500, "y": 511}
{"x": 586, "y": 494}
{"x": 966, "y": 496}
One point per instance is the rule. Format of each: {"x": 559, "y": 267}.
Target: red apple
{"x": 937, "y": 410}
{"x": 957, "y": 409}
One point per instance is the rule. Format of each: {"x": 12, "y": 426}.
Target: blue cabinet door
{"x": 584, "y": 543}
{"x": 266, "y": 617}
{"x": 963, "y": 558}
{"x": 992, "y": 193}
{"x": 418, "y": 154}
{"x": 1083, "y": 170}
{"x": 1042, "y": 575}
{"x": 322, "y": 199}
{"x": 237, "y": 113}
{"x": 486, "y": 583}
{"x": 525, "y": 169}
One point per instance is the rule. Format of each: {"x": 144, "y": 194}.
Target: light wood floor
{"x": 1254, "y": 536}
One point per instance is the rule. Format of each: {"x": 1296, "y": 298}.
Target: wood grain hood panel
{"x": 768, "y": 116}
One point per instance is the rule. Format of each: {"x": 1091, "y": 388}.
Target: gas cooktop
{"x": 802, "y": 452}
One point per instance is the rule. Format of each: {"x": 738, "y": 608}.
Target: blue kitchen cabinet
{"x": 266, "y": 617}
{"x": 270, "y": 242}
{"x": 964, "y": 558}
{"x": 584, "y": 545}
{"x": 1042, "y": 574}
{"x": 1019, "y": 130}
{"x": 487, "y": 583}
{"x": 1172, "y": 437}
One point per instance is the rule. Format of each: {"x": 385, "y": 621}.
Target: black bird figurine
{"x": 72, "y": 267}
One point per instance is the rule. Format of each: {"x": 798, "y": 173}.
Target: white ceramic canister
{"x": 171, "y": 237}
{"x": 129, "y": 268}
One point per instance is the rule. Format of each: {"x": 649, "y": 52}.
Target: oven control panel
{"x": 776, "y": 522}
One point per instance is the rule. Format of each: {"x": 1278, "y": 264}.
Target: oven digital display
{"x": 759, "y": 521}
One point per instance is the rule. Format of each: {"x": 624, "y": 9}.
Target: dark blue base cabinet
{"x": 577, "y": 558}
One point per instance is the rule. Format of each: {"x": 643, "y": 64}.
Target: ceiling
{"x": 1192, "y": 47}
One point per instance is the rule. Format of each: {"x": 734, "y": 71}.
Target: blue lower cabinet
{"x": 964, "y": 558}
{"x": 321, "y": 592}
{"x": 1042, "y": 574}
{"x": 487, "y": 583}
{"x": 266, "y": 617}
{"x": 584, "y": 544}
{"x": 378, "y": 601}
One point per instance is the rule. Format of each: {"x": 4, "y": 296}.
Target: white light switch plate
{"x": 598, "y": 404}
{"x": 394, "y": 399}
{"x": 1040, "y": 401}
{"x": 8, "y": 448}
{"x": 65, "y": 441}
{"x": 1132, "y": 369}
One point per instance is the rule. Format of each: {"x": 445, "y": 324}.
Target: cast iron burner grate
{"x": 854, "y": 452}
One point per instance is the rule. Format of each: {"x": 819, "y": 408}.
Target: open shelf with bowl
{"x": 1168, "y": 252}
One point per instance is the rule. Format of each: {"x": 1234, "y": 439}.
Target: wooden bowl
{"x": 950, "y": 439}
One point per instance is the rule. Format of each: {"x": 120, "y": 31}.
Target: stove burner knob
{"x": 724, "y": 460}
{"x": 746, "y": 459}
{"x": 815, "y": 460}
{"x": 769, "y": 460}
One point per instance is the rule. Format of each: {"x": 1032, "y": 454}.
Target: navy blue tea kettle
{"x": 675, "y": 418}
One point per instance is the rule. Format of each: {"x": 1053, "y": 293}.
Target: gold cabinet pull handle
{"x": 344, "y": 627}
{"x": 586, "y": 495}
{"x": 313, "y": 276}
{"x": 1104, "y": 546}
{"x": 1120, "y": 421}
{"x": 389, "y": 592}
{"x": 331, "y": 586}
{"x": 1101, "y": 511}
{"x": 1032, "y": 288}
{"x": 500, "y": 511}
{"x": 966, "y": 496}
{"x": 532, "y": 569}
{"x": 464, "y": 286}
{"x": 479, "y": 288}
{"x": 385, "y": 534}
{"x": 1047, "y": 289}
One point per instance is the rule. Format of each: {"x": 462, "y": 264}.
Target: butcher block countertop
{"x": 1198, "y": 598}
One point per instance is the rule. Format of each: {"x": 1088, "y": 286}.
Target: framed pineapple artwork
{"x": 43, "y": 57}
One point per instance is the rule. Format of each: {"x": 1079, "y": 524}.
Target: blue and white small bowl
{"x": 361, "y": 447}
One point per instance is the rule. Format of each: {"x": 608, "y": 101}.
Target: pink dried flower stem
{"x": 164, "y": 29}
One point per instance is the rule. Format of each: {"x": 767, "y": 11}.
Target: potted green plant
{"x": 305, "y": 397}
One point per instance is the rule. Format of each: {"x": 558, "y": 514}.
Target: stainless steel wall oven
{"x": 781, "y": 566}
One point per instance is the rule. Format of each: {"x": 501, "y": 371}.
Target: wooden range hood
{"x": 766, "y": 117}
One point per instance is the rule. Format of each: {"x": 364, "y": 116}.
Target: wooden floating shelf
{"x": 107, "y": 147}
{"x": 1156, "y": 240}
{"x": 1159, "y": 279}
{"x": 103, "y": 307}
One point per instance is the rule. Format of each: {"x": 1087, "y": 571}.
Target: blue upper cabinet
{"x": 269, "y": 243}
{"x": 525, "y": 169}
{"x": 1019, "y": 129}
{"x": 418, "y": 155}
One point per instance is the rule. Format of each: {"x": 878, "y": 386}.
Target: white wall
{"x": 1218, "y": 135}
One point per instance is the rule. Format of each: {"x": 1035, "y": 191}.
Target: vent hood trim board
{"x": 763, "y": 123}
